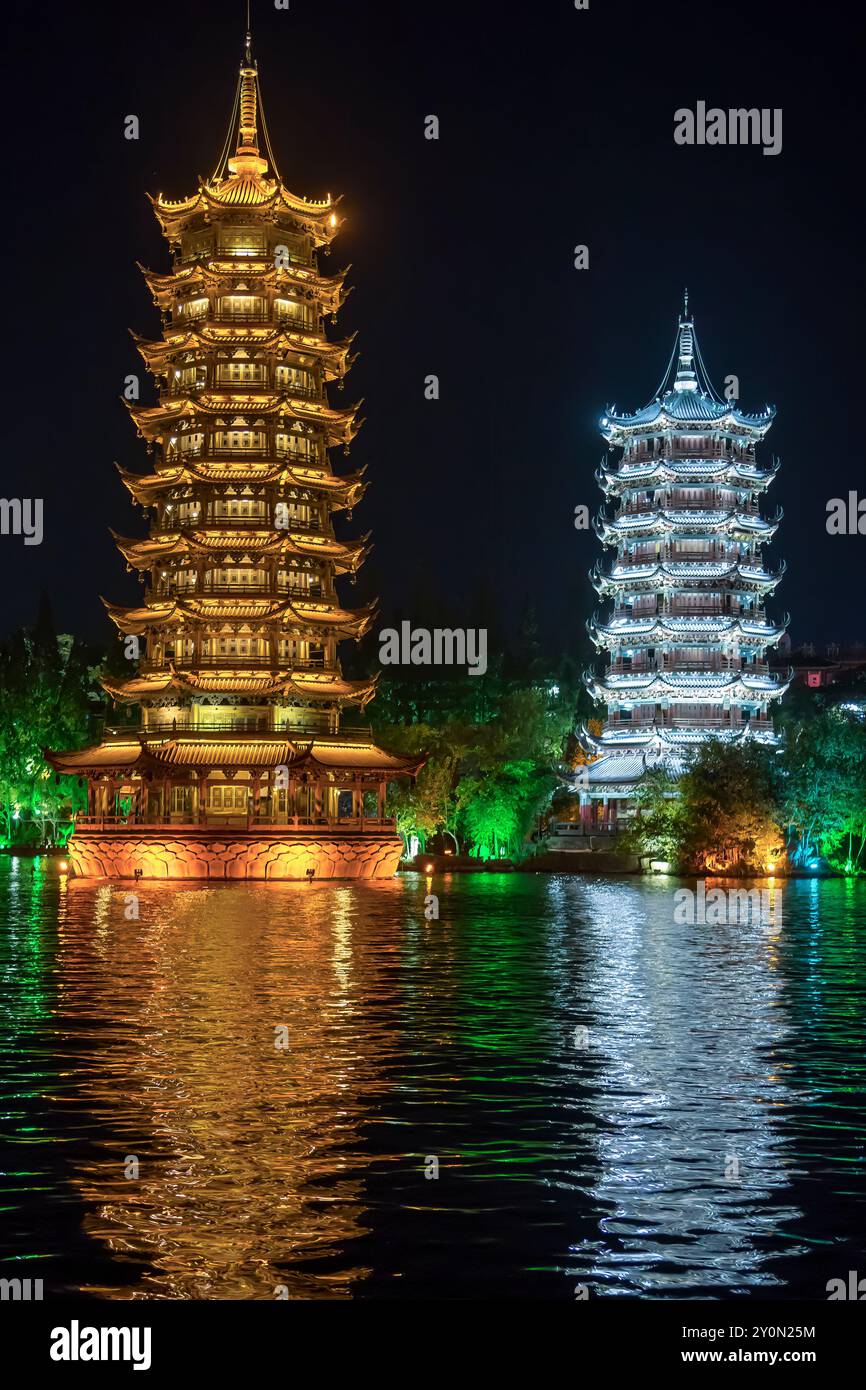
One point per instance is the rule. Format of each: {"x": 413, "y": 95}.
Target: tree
{"x": 46, "y": 685}
{"x": 823, "y": 783}
{"x": 657, "y": 827}
{"x": 729, "y": 809}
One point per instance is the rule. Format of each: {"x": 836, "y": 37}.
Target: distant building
{"x": 818, "y": 665}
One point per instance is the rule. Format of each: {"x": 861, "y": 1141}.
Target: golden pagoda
{"x": 239, "y": 765}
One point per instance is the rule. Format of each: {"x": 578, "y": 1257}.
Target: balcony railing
{"x": 260, "y": 661}
{"x": 645, "y": 668}
{"x": 231, "y": 523}
{"x": 228, "y": 820}
{"x": 264, "y": 590}
{"x": 239, "y": 724}
{"x": 708, "y": 722}
{"x": 638, "y": 615}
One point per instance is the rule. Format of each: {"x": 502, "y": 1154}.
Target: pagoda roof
{"x": 664, "y": 521}
{"x": 303, "y": 685}
{"x": 686, "y": 396}
{"x": 248, "y": 190}
{"x": 345, "y": 490}
{"x": 670, "y": 628}
{"x": 161, "y": 353}
{"x": 671, "y": 573}
{"x": 342, "y": 621}
{"x": 242, "y": 180}
{"x": 663, "y": 470}
{"x": 142, "y": 554}
{"x": 213, "y": 274}
{"x": 694, "y": 685}
{"x": 666, "y": 741}
{"x": 155, "y": 752}
{"x": 152, "y": 421}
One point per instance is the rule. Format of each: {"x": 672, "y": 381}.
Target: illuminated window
{"x": 242, "y": 241}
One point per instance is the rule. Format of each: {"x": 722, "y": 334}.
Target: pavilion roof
{"x": 157, "y": 753}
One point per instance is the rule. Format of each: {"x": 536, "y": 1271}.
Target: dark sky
{"x": 556, "y": 129}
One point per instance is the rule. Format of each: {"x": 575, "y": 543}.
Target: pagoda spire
{"x": 686, "y": 370}
{"x": 247, "y": 158}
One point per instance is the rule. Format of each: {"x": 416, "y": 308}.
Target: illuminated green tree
{"x": 823, "y": 786}
{"x": 46, "y": 691}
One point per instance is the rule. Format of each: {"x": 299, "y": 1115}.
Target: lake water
{"x": 612, "y": 1099}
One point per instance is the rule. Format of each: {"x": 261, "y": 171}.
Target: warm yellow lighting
{"x": 428, "y": 869}
{"x": 333, "y": 219}
{"x": 771, "y": 868}
{"x": 64, "y": 865}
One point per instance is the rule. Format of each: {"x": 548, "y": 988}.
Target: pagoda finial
{"x": 247, "y": 159}
{"x": 686, "y": 302}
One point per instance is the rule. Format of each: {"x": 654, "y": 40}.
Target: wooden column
{"x": 380, "y": 800}
{"x": 166, "y": 800}
{"x": 202, "y": 798}
{"x": 257, "y": 794}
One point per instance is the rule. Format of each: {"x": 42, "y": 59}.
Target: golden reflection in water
{"x": 250, "y": 1174}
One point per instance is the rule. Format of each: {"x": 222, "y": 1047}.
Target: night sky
{"x": 556, "y": 129}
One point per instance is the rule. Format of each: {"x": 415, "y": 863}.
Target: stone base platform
{"x": 190, "y": 852}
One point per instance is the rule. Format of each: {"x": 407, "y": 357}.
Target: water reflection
{"x": 245, "y": 1148}
{"x": 692, "y": 1170}
{"x": 702, "y": 1138}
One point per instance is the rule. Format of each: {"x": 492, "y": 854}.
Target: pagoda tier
{"x": 235, "y": 643}
{"x": 674, "y": 579}
{"x": 650, "y": 632}
{"x": 201, "y": 487}
{"x": 227, "y": 545}
{"x": 687, "y": 631}
{"x": 197, "y": 613}
{"x": 734, "y": 475}
{"x": 284, "y": 346}
{"x": 213, "y": 417}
